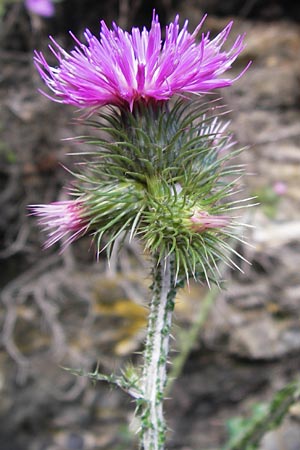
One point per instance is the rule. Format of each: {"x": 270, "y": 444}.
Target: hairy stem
{"x": 156, "y": 353}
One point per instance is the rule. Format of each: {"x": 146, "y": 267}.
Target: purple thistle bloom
{"x": 44, "y": 8}
{"x": 280, "y": 188}
{"x": 202, "y": 221}
{"x": 60, "y": 219}
{"x": 121, "y": 68}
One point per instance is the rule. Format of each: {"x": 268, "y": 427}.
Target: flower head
{"x": 44, "y": 8}
{"x": 60, "y": 219}
{"x": 121, "y": 68}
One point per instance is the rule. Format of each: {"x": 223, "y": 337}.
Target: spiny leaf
{"x": 129, "y": 385}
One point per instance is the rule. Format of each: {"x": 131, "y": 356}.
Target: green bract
{"x": 153, "y": 170}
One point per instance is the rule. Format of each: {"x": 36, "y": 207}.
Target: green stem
{"x": 153, "y": 427}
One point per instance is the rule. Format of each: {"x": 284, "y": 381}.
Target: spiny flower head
{"x": 43, "y": 8}
{"x": 65, "y": 219}
{"x": 122, "y": 68}
{"x": 164, "y": 178}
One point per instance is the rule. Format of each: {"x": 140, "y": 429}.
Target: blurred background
{"x": 240, "y": 344}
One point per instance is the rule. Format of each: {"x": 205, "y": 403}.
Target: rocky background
{"x": 65, "y": 310}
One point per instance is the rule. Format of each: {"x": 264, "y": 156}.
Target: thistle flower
{"x": 280, "y": 188}
{"x": 122, "y": 68}
{"x": 60, "y": 219}
{"x": 44, "y": 8}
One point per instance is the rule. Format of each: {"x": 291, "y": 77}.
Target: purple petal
{"x": 121, "y": 68}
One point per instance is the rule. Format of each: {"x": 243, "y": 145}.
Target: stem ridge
{"x": 153, "y": 427}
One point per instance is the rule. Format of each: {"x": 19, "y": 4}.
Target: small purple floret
{"x": 61, "y": 220}
{"x": 44, "y": 8}
{"x": 202, "y": 221}
{"x": 121, "y": 68}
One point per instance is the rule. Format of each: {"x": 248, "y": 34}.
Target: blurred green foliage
{"x": 246, "y": 434}
{"x": 268, "y": 200}
{"x": 4, "y": 4}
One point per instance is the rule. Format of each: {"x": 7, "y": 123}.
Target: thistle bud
{"x": 61, "y": 219}
{"x": 202, "y": 221}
